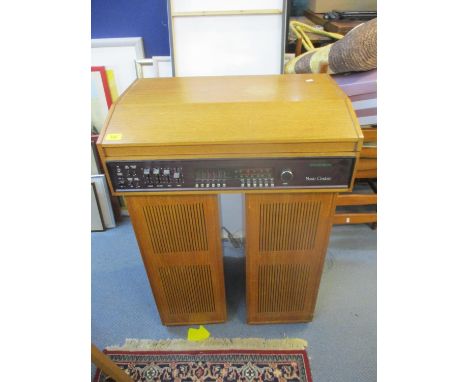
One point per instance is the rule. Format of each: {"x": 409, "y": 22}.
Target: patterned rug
{"x": 211, "y": 365}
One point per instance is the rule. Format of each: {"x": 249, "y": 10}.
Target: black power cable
{"x": 236, "y": 242}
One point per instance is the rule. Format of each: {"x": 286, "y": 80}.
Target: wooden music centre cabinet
{"x": 290, "y": 143}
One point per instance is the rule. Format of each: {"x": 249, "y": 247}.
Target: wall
{"x": 133, "y": 18}
{"x": 144, "y": 18}
{"x": 298, "y": 7}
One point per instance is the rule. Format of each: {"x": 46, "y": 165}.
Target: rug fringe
{"x": 213, "y": 344}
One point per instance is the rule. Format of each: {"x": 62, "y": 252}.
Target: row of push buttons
{"x": 267, "y": 182}
{"x": 208, "y": 185}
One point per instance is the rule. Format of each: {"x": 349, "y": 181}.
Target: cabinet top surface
{"x": 226, "y": 110}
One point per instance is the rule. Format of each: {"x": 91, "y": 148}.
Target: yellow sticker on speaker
{"x": 114, "y": 137}
{"x": 199, "y": 334}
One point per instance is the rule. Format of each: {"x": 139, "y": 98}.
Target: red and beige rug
{"x": 214, "y": 360}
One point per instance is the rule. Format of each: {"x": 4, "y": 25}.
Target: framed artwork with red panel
{"x": 101, "y": 99}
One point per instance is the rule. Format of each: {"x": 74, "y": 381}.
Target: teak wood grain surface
{"x": 286, "y": 243}
{"x": 228, "y": 110}
{"x": 180, "y": 244}
{"x": 300, "y": 115}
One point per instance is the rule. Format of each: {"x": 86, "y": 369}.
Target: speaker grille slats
{"x": 282, "y": 288}
{"x": 288, "y": 226}
{"x": 286, "y": 243}
{"x": 176, "y": 228}
{"x": 180, "y": 243}
{"x": 188, "y": 289}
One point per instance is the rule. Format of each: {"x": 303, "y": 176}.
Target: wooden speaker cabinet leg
{"x": 286, "y": 244}
{"x": 180, "y": 243}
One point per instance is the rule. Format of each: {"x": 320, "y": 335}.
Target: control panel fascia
{"x": 231, "y": 174}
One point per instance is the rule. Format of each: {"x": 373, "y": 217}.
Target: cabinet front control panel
{"x": 231, "y": 174}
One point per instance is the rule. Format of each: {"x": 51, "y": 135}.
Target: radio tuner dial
{"x": 286, "y": 175}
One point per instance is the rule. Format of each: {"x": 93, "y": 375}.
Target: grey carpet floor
{"x": 342, "y": 337}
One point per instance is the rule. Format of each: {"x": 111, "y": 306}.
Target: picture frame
{"x": 140, "y": 66}
{"x": 162, "y": 66}
{"x": 103, "y": 197}
{"x": 155, "y": 67}
{"x": 101, "y": 99}
{"x": 119, "y": 55}
{"x": 105, "y": 83}
{"x": 96, "y": 216}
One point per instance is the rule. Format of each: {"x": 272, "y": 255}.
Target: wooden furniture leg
{"x": 298, "y": 50}
{"x": 286, "y": 243}
{"x": 180, "y": 243}
{"x": 104, "y": 363}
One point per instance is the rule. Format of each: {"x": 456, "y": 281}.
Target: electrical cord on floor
{"x": 236, "y": 242}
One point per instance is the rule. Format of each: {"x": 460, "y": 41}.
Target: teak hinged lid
{"x": 199, "y": 112}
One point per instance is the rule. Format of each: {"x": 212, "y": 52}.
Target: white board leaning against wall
{"x": 229, "y": 37}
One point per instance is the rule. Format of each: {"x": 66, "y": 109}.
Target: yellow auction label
{"x": 114, "y": 137}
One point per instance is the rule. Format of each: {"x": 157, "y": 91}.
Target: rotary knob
{"x": 286, "y": 175}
